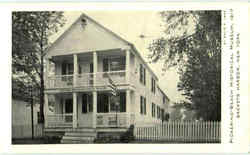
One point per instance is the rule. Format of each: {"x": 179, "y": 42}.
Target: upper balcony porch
{"x": 92, "y": 70}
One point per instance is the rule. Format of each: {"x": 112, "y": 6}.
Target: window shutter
{"x": 141, "y": 105}
{"x": 99, "y": 99}
{"x": 152, "y": 109}
{"x": 64, "y": 66}
{"x": 90, "y": 103}
{"x": 79, "y": 69}
{"x": 122, "y": 102}
{"x": 105, "y": 65}
{"x": 144, "y": 71}
{"x": 152, "y": 84}
{"x": 145, "y": 108}
{"x": 106, "y": 103}
{"x": 141, "y": 73}
{"x": 84, "y": 103}
{"x": 91, "y": 68}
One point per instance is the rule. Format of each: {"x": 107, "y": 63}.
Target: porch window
{"x": 143, "y": 109}
{"x": 102, "y": 103}
{"x": 122, "y": 102}
{"x": 105, "y": 104}
{"x": 67, "y": 68}
{"x": 114, "y": 64}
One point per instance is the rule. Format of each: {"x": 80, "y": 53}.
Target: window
{"x": 153, "y": 110}
{"x": 113, "y": 64}
{"x": 67, "y": 68}
{"x": 142, "y": 74}
{"x": 143, "y": 109}
{"x": 158, "y": 112}
{"x": 102, "y": 103}
{"x": 105, "y": 103}
{"x": 153, "y": 85}
{"x": 122, "y": 103}
{"x": 162, "y": 114}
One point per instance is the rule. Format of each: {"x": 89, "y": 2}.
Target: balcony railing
{"x": 60, "y": 81}
{"x": 87, "y": 79}
{"x": 60, "y": 120}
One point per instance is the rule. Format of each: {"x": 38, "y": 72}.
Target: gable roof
{"x": 70, "y": 44}
{"x": 93, "y": 37}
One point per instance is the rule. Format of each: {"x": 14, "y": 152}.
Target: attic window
{"x": 83, "y": 22}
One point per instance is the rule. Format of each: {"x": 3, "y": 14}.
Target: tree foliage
{"x": 192, "y": 43}
{"x": 30, "y": 39}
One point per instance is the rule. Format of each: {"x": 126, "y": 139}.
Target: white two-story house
{"x": 83, "y": 59}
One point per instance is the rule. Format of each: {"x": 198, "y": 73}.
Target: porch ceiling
{"x": 89, "y": 55}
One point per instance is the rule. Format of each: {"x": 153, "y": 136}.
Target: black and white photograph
{"x": 109, "y": 76}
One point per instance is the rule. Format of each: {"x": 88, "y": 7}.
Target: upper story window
{"x": 153, "y": 85}
{"x": 114, "y": 64}
{"x": 67, "y": 68}
{"x": 143, "y": 109}
{"x": 142, "y": 74}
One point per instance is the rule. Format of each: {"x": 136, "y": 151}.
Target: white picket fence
{"x": 180, "y": 132}
{"x": 25, "y": 131}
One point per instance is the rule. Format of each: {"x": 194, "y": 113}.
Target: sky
{"x": 130, "y": 25}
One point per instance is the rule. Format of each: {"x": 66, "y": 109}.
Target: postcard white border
{"x": 242, "y": 134}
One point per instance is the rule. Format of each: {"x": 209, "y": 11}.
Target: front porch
{"x": 89, "y": 110}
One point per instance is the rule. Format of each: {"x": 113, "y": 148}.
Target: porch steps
{"x": 79, "y": 137}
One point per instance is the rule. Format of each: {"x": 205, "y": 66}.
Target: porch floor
{"x": 84, "y": 129}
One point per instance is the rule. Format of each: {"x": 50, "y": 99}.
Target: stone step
{"x": 81, "y": 134}
{"x": 78, "y": 138}
{"x": 64, "y": 141}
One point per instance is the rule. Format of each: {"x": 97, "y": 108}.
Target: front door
{"x": 68, "y": 110}
{"x": 85, "y": 109}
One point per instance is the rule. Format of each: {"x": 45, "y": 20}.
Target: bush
{"x": 128, "y": 136}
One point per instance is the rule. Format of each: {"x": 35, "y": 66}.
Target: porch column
{"x": 128, "y": 107}
{"x": 94, "y": 66}
{"x": 127, "y": 65}
{"x": 94, "y": 94}
{"x": 74, "y": 110}
{"x": 75, "y": 70}
{"x": 45, "y": 109}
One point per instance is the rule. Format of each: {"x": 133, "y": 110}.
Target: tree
{"x": 30, "y": 40}
{"x": 192, "y": 43}
{"x": 176, "y": 113}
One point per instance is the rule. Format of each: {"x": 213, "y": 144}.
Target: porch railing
{"x": 60, "y": 120}
{"x": 118, "y": 77}
{"x": 87, "y": 79}
{"x": 112, "y": 120}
